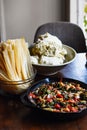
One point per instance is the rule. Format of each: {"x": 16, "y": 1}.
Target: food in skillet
{"x": 60, "y": 97}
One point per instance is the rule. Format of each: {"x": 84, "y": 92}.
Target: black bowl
{"x": 59, "y": 115}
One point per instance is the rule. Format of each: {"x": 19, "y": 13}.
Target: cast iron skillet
{"x": 59, "y": 115}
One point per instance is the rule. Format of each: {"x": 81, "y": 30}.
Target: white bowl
{"x": 53, "y": 69}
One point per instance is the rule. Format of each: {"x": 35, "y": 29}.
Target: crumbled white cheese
{"x": 47, "y": 38}
{"x": 49, "y": 50}
{"x": 34, "y": 59}
{"x": 51, "y": 60}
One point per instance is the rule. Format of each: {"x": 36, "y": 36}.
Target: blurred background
{"x": 21, "y": 18}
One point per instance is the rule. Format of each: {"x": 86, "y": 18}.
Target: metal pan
{"x": 59, "y": 115}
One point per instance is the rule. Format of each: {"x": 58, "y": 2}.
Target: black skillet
{"x": 59, "y": 115}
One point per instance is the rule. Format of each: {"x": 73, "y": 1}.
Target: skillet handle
{"x": 26, "y": 101}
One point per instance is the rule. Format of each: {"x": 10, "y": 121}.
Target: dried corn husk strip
{"x": 23, "y": 61}
{"x": 27, "y": 55}
{"x": 3, "y": 76}
{"x": 8, "y": 65}
{"x": 17, "y": 51}
{"x": 12, "y": 57}
{"x": 2, "y": 64}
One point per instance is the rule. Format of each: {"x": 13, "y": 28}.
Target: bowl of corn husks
{"x": 16, "y": 70}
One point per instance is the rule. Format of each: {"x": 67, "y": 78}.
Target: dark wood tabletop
{"x": 15, "y": 116}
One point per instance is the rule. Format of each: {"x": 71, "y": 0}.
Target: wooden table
{"x": 15, "y": 116}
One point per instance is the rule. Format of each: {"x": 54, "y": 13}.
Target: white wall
{"x": 77, "y": 13}
{"x": 2, "y": 21}
{"x": 73, "y": 11}
{"x": 22, "y": 17}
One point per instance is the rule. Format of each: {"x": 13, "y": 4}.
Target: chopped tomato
{"x": 32, "y": 95}
{"x": 57, "y": 106}
{"x": 49, "y": 99}
{"x": 71, "y": 101}
{"x": 59, "y": 95}
{"x": 73, "y": 109}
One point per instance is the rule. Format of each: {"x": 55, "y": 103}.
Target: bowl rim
{"x": 65, "y": 63}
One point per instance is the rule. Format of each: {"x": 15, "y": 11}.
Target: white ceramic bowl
{"x": 53, "y": 69}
